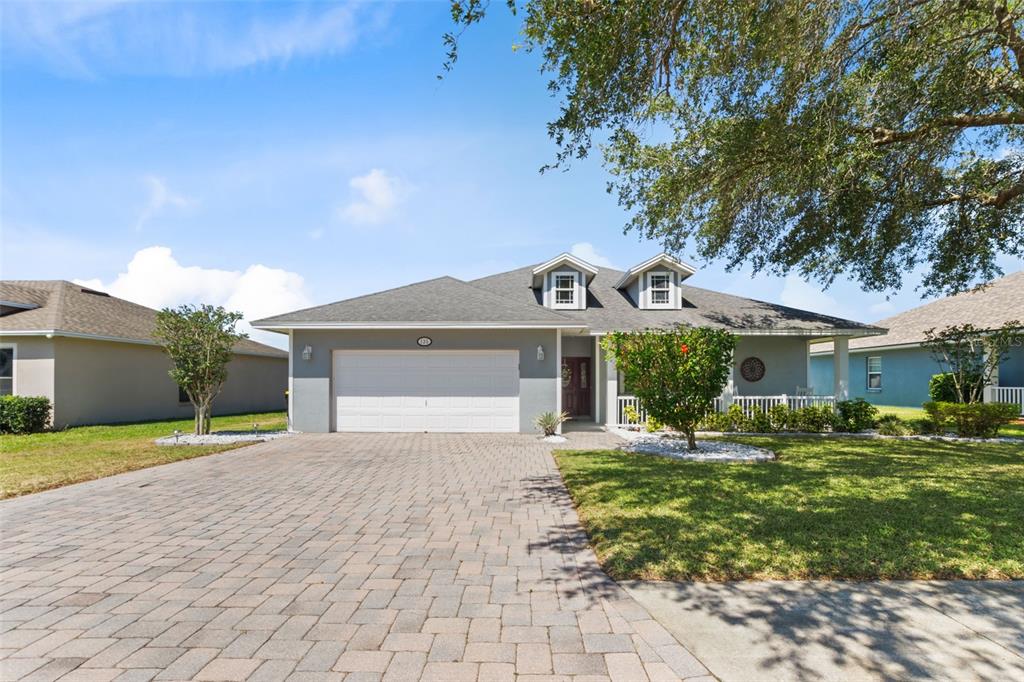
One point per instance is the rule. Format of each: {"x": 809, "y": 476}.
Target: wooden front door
{"x": 576, "y": 381}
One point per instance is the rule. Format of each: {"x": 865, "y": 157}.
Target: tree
{"x": 971, "y": 355}
{"x": 200, "y": 342}
{"x": 677, "y": 374}
{"x": 859, "y": 137}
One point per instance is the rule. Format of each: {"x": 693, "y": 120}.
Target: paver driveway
{"x": 445, "y": 557}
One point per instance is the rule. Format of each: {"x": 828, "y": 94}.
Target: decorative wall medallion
{"x": 424, "y": 341}
{"x": 752, "y": 369}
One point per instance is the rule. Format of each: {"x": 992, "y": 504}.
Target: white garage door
{"x": 426, "y": 390}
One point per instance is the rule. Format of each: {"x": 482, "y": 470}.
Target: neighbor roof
{"x": 985, "y": 307}
{"x": 507, "y": 299}
{"x": 68, "y": 309}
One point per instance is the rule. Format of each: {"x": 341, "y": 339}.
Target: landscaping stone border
{"x": 221, "y": 438}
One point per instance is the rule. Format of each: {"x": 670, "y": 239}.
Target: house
{"x": 893, "y": 368}
{"x": 94, "y": 357}
{"x": 492, "y": 353}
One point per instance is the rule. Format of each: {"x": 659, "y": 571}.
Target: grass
{"x": 843, "y": 509}
{"x": 39, "y": 461}
{"x": 1012, "y": 430}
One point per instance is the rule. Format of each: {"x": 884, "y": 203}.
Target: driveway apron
{"x": 358, "y": 556}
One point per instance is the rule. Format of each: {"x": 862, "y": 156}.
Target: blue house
{"x": 893, "y": 369}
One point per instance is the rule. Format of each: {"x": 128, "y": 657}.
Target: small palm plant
{"x": 548, "y": 422}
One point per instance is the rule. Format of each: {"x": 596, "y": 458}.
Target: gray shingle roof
{"x": 508, "y": 298}
{"x": 610, "y": 309}
{"x": 74, "y": 309}
{"x": 435, "y": 301}
{"x": 989, "y": 307}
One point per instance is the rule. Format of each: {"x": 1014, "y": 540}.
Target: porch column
{"x": 612, "y": 385}
{"x": 291, "y": 373}
{"x": 596, "y": 362}
{"x": 729, "y": 390}
{"x": 558, "y": 375}
{"x": 841, "y": 367}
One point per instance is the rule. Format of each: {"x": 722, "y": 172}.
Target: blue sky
{"x": 271, "y": 156}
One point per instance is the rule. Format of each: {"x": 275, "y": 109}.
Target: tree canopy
{"x": 200, "y": 342}
{"x": 863, "y": 138}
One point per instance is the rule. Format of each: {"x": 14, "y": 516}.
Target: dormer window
{"x": 565, "y": 290}
{"x": 562, "y": 282}
{"x": 660, "y": 289}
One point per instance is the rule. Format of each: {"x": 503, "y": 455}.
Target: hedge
{"x": 24, "y": 414}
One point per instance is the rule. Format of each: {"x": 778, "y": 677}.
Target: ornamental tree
{"x": 972, "y": 355}
{"x": 854, "y": 137}
{"x": 675, "y": 374}
{"x": 200, "y": 342}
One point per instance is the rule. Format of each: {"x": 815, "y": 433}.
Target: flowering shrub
{"x": 675, "y": 374}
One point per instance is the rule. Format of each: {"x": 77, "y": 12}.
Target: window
{"x": 565, "y": 290}
{"x": 875, "y": 373}
{"x": 7, "y": 370}
{"x": 661, "y": 289}
{"x": 182, "y": 396}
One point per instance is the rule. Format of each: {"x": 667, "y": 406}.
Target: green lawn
{"x": 39, "y": 461}
{"x": 838, "y": 508}
{"x": 1012, "y": 430}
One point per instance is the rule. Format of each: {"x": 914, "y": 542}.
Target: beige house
{"x": 94, "y": 357}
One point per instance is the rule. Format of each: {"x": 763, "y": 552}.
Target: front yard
{"x": 838, "y": 508}
{"x": 39, "y": 461}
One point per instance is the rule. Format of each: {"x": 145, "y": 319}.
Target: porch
{"x": 767, "y": 370}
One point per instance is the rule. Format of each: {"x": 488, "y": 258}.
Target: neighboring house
{"x": 893, "y": 369}
{"x": 493, "y": 353}
{"x": 94, "y": 357}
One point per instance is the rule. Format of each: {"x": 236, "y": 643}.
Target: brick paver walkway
{"x": 341, "y": 556}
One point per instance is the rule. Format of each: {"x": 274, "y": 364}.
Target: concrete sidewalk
{"x": 957, "y": 630}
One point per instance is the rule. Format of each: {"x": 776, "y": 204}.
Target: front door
{"x": 576, "y": 386}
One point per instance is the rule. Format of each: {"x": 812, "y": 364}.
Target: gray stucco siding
{"x": 785, "y": 361}
{"x": 312, "y": 399}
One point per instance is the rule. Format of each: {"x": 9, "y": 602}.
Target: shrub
{"x": 942, "y": 387}
{"x": 813, "y": 419}
{"x": 717, "y": 421}
{"x": 971, "y": 420}
{"x": 891, "y": 425}
{"x": 653, "y": 425}
{"x": 855, "y": 415}
{"x": 631, "y": 414}
{"x": 548, "y": 422}
{"x": 24, "y": 414}
{"x": 760, "y": 421}
{"x": 780, "y": 416}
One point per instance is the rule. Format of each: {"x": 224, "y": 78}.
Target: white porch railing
{"x": 1006, "y": 394}
{"x": 747, "y": 403}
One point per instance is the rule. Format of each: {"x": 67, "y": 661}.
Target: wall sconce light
{"x": 540, "y": 353}
{"x": 307, "y": 353}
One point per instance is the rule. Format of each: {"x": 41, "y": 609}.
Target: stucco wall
{"x": 311, "y": 379}
{"x": 785, "y": 361}
{"x": 905, "y": 374}
{"x": 33, "y": 365}
{"x": 98, "y": 382}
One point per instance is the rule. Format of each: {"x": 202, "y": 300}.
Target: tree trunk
{"x": 198, "y": 427}
{"x": 691, "y": 440}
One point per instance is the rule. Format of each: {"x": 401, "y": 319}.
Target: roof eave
{"x": 285, "y": 327}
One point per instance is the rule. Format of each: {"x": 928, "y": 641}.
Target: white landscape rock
{"x": 221, "y": 438}
{"x": 707, "y": 450}
{"x": 554, "y": 439}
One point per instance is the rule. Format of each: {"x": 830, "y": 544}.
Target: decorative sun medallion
{"x": 752, "y": 369}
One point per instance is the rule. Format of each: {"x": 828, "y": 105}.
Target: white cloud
{"x": 90, "y": 39}
{"x": 796, "y": 293}
{"x": 587, "y": 252}
{"x": 882, "y": 308}
{"x": 377, "y": 197}
{"x": 156, "y": 279}
{"x": 161, "y": 196}
{"x": 316, "y": 234}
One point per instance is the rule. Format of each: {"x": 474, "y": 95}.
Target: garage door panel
{"x": 426, "y": 390}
